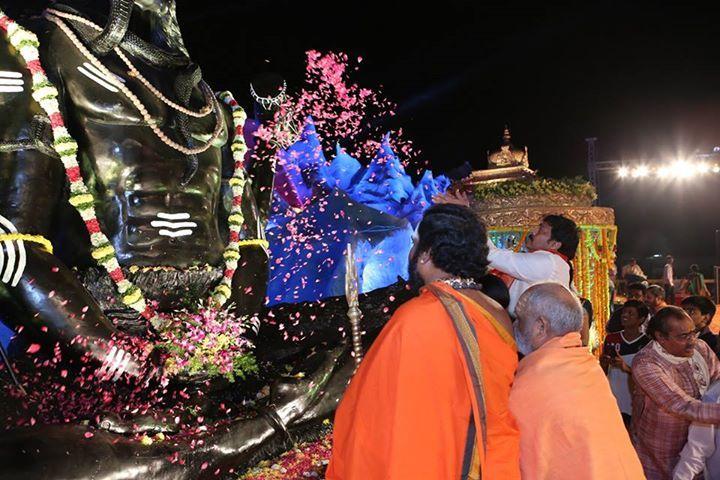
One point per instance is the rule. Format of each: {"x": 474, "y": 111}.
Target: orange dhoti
{"x": 426, "y": 405}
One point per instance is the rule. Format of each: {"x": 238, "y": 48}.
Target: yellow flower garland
{"x": 39, "y": 239}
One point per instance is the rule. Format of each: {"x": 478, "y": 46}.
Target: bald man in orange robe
{"x": 570, "y": 424}
{"x": 430, "y": 399}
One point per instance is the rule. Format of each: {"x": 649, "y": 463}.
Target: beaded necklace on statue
{"x": 55, "y": 16}
{"x": 45, "y": 93}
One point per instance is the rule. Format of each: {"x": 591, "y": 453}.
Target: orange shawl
{"x": 570, "y": 425}
{"x": 407, "y": 411}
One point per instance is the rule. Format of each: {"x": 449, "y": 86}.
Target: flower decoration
{"x": 210, "y": 342}
{"x": 575, "y": 187}
{"x": 307, "y": 460}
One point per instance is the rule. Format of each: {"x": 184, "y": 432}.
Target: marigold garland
{"x": 39, "y": 239}
{"x": 223, "y": 290}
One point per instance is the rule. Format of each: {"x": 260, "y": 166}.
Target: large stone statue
{"x": 139, "y": 225}
{"x": 154, "y": 150}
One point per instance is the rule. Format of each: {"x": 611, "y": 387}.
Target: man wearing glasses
{"x": 671, "y": 375}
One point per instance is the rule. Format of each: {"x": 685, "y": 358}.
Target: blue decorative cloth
{"x": 319, "y": 207}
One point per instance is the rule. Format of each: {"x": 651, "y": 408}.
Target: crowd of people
{"x": 693, "y": 283}
{"x": 459, "y": 385}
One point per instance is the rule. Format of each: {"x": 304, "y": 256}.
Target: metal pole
{"x": 591, "y": 160}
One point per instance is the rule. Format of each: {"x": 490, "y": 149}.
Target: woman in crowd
{"x": 696, "y": 282}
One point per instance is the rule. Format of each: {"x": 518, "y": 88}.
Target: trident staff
{"x": 351, "y": 293}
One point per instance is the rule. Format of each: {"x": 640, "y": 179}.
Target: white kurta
{"x": 528, "y": 269}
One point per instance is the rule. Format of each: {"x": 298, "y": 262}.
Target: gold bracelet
{"x": 39, "y": 239}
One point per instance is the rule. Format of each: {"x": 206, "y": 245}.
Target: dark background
{"x": 642, "y": 77}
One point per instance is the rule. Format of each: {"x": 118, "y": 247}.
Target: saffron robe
{"x": 570, "y": 424}
{"x": 410, "y": 410}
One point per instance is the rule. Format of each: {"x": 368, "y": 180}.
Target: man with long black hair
{"x": 430, "y": 399}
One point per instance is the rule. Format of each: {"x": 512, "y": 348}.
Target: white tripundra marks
{"x": 12, "y": 257}
{"x": 114, "y": 364}
{"x": 11, "y": 82}
{"x": 94, "y": 74}
{"x": 172, "y": 224}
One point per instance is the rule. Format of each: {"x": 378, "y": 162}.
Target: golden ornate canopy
{"x": 512, "y": 201}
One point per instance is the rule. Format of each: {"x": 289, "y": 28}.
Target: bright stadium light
{"x": 663, "y": 172}
{"x": 678, "y": 168}
{"x": 640, "y": 171}
{"x": 681, "y": 168}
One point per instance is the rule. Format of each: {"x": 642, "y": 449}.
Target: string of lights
{"x": 696, "y": 166}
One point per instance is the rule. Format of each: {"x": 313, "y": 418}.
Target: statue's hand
{"x": 295, "y": 393}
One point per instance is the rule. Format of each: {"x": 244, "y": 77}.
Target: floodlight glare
{"x": 640, "y": 171}
{"x": 663, "y": 172}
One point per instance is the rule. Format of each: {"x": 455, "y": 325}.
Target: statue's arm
{"x": 37, "y": 290}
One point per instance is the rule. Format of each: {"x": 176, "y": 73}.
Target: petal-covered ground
{"x": 306, "y": 460}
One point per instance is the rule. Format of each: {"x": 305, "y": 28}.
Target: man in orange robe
{"x": 430, "y": 399}
{"x": 570, "y": 424}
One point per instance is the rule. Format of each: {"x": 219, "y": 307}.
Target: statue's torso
{"x": 150, "y": 215}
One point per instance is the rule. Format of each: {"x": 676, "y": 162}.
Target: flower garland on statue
{"x": 45, "y": 93}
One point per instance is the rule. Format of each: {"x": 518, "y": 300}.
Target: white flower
{"x": 50, "y": 105}
{"x": 60, "y": 132}
{"x": 12, "y": 29}
{"x": 29, "y": 53}
{"x": 68, "y": 161}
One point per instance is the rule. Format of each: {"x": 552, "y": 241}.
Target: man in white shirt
{"x": 700, "y": 454}
{"x": 669, "y": 281}
{"x": 551, "y": 247}
{"x": 633, "y": 273}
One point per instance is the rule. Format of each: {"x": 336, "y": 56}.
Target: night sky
{"x": 643, "y": 78}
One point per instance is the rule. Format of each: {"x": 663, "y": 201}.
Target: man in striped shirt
{"x": 671, "y": 374}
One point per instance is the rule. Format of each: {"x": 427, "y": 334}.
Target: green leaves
{"x": 575, "y": 187}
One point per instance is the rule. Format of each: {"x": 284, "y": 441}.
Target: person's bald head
{"x": 545, "y": 311}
